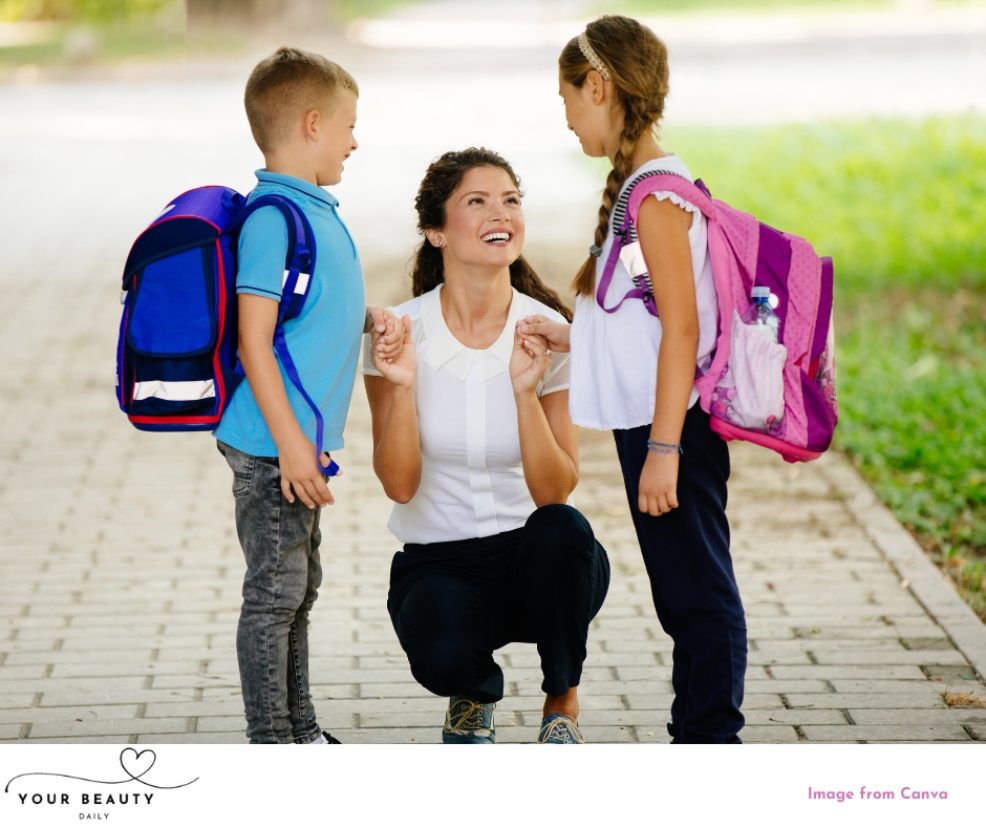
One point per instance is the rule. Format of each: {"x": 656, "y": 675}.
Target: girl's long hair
{"x": 440, "y": 181}
{"x": 637, "y": 61}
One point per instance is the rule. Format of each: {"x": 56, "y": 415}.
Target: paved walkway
{"x": 119, "y": 567}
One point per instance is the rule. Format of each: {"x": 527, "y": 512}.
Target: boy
{"x": 302, "y": 112}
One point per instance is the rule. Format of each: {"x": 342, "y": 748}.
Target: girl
{"x": 473, "y": 441}
{"x": 633, "y": 374}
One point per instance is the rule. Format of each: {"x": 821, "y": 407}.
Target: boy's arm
{"x": 300, "y": 475}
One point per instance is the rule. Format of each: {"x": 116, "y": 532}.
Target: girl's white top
{"x": 614, "y": 355}
{"x": 472, "y": 479}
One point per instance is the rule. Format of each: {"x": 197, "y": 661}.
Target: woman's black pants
{"x": 452, "y": 604}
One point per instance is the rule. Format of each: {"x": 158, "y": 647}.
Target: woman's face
{"x": 484, "y": 222}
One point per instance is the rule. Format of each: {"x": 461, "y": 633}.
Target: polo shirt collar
{"x": 292, "y": 183}
{"x": 443, "y": 347}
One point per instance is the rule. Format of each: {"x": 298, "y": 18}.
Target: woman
{"x": 473, "y": 441}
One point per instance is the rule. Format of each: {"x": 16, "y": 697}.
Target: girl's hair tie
{"x": 590, "y": 54}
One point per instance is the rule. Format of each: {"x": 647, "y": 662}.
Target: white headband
{"x": 589, "y": 53}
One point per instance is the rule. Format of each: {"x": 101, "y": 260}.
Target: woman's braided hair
{"x": 637, "y": 61}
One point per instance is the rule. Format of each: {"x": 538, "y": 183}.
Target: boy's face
{"x": 336, "y": 139}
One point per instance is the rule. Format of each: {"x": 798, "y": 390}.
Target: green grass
{"x": 901, "y": 207}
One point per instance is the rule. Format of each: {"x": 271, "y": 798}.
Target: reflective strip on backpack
{"x": 300, "y": 286}
{"x": 175, "y": 391}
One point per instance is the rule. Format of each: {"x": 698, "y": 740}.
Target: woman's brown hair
{"x": 637, "y": 62}
{"x": 440, "y": 181}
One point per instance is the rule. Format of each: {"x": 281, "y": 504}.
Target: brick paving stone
{"x": 881, "y": 686}
{"x": 913, "y": 732}
{"x": 928, "y": 699}
{"x": 832, "y": 671}
{"x": 770, "y": 735}
{"x": 945, "y": 657}
{"x": 70, "y": 729}
{"x": 96, "y": 739}
{"x": 794, "y": 717}
{"x": 9, "y": 701}
{"x": 952, "y": 715}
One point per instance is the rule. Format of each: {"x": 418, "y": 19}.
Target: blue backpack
{"x": 176, "y": 364}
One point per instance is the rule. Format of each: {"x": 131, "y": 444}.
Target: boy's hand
{"x": 301, "y": 476}
{"x": 400, "y": 368}
{"x": 387, "y": 330}
{"x": 657, "y": 493}
{"x": 554, "y": 333}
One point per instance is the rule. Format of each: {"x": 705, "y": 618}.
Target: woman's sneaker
{"x": 559, "y": 729}
{"x": 468, "y": 722}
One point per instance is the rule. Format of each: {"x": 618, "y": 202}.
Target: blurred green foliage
{"x": 901, "y": 207}
{"x": 351, "y": 9}
{"x": 89, "y": 11}
{"x": 654, "y": 7}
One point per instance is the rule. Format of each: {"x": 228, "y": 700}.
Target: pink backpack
{"x": 781, "y": 395}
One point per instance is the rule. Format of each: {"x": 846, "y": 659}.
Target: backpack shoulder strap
{"x": 659, "y": 181}
{"x": 299, "y": 267}
{"x": 623, "y": 221}
{"x": 299, "y": 261}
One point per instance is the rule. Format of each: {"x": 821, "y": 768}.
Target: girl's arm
{"x": 549, "y": 442}
{"x": 662, "y": 228}
{"x": 396, "y": 445}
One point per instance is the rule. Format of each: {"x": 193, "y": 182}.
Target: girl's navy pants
{"x": 686, "y": 552}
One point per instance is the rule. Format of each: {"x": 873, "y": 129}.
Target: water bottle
{"x": 761, "y": 315}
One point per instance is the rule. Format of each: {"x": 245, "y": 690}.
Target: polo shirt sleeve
{"x": 263, "y": 249}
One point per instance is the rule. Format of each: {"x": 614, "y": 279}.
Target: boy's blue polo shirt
{"x": 324, "y": 340}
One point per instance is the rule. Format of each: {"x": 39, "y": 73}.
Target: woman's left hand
{"x": 528, "y": 362}
{"x": 657, "y": 493}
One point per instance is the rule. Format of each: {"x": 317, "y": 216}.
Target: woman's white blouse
{"x": 614, "y": 355}
{"x": 472, "y": 480}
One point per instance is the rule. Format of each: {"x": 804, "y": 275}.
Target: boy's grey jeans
{"x": 280, "y": 543}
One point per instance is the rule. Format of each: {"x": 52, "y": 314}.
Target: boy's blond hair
{"x": 284, "y": 86}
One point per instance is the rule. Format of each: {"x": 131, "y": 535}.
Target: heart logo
{"x": 136, "y": 764}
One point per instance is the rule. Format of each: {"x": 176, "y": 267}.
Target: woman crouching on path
{"x": 473, "y": 441}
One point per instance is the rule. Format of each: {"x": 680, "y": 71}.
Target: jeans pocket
{"x": 243, "y": 467}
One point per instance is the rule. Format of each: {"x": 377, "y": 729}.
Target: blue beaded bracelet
{"x": 664, "y": 447}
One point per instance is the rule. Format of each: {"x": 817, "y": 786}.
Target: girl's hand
{"x": 528, "y": 362}
{"x": 554, "y": 333}
{"x": 399, "y": 367}
{"x": 658, "y": 490}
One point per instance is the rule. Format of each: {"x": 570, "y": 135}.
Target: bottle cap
{"x": 760, "y": 293}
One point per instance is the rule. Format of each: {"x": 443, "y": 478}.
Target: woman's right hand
{"x": 399, "y": 369}
{"x": 555, "y": 333}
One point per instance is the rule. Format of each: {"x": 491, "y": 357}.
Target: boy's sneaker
{"x": 325, "y": 738}
{"x": 468, "y": 722}
{"x": 559, "y": 729}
